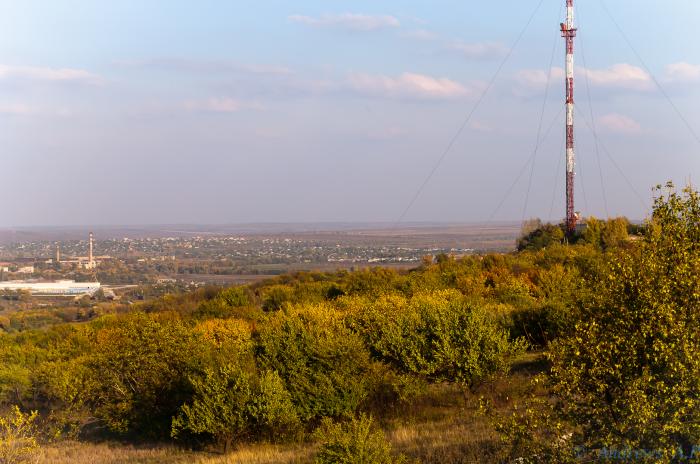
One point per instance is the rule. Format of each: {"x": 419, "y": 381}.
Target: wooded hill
{"x": 606, "y": 330}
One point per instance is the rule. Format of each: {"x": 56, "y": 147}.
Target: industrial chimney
{"x": 91, "y": 260}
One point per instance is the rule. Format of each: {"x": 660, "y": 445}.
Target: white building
{"x": 58, "y": 288}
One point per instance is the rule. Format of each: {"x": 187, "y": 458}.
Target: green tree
{"x": 542, "y": 237}
{"x": 15, "y": 383}
{"x": 592, "y": 234}
{"x": 629, "y": 375}
{"x": 230, "y": 403}
{"x": 438, "y": 336}
{"x": 138, "y": 371}
{"x": 614, "y": 232}
{"x": 358, "y": 441}
{"x": 325, "y": 367}
{"x": 275, "y": 297}
{"x": 236, "y": 297}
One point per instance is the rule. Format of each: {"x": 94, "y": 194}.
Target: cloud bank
{"x": 36, "y": 73}
{"x": 683, "y": 72}
{"x": 408, "y": 86}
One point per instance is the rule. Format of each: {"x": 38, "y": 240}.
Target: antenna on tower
{"x": 568, "y": 31}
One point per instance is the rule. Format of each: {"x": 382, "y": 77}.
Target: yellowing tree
{"x": 18, "y": 442}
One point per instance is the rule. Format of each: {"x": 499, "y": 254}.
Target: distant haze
{"x": 223, "y": 112}
{"x": 109, "y": 232}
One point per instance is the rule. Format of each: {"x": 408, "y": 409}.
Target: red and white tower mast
{"x": 568, "y": 31}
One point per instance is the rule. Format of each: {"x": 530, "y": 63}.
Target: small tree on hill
{"x": 614, "y": 232}
{"x": 439, "y": 337}
{"x": 540, "y": 237}
{"x": 358, "y": 441}
{"x": 230, "y": 404}
{"x": 325, "y": 367}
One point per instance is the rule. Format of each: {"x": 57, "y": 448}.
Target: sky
{"x": 220, "y": 112}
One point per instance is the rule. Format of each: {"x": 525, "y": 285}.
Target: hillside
{"x": 552, "y": 353}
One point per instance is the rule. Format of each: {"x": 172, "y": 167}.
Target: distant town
{"x": 79, "y": 267}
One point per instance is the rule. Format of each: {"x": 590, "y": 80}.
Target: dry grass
{"x": 444, "y": 428}
{"x": 110, "y": 453}
{"x": 447, "y": 428}
{"x": 114, "y": 453}
{"x": 265, "y": 454}
{"x": 449, "y": 442}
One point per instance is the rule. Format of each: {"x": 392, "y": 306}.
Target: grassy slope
{"x": 443, "y": 427}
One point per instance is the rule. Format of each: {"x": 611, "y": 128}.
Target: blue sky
{"x": 154, "y": 111}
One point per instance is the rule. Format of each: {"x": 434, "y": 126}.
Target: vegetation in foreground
{"x": 553, "y": 354}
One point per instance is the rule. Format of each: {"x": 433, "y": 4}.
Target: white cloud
{"x": 619, "y": 124}
{"x": 623, "y": 76}
{"x": 683, "y": 72}
{"x": 221, "y": 105}
{"x": 47, "y": 74}
{"x": 619, "y": 76}
{"x": 348, "y": 21}
{"x": 408, "y": 86}
{"x": 478, "y": 50}
{"x": 469, "y": 50}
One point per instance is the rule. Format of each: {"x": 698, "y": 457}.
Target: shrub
{"x": 18, "y": 443}
{"x": 15, "y": 382}
{"x": 275, "y": 297}
{"x": 226, "y": 304}
{"x": 543, "y": 323}
{"x": 229, "y": 335}
{"x": 5, "y": 323}
{"x": 324, "y": 365}
{"x": 231, "y": 403}
{"x": 358, "y": 441}
{"x": 372, "y": 282}
{"x": 541, "y": 237}
{"x": 532, "y": 431}
{"x": 235, "y": 297}
{"x": 438, "y": 336}
{"x": 216, "y": 308}
{"x": 138, "y": 371}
